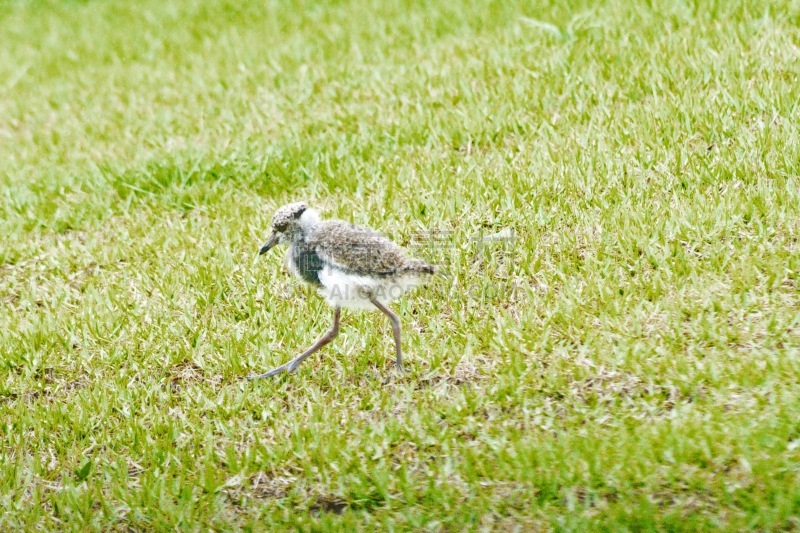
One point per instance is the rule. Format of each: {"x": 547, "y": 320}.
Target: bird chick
{"x": 351, "y": 267}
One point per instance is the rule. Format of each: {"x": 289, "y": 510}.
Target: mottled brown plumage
{"x": 286, "y": 214}
{"x": 362, "y": 250}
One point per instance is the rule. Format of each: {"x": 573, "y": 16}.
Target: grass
{"x": 629, "y": 361}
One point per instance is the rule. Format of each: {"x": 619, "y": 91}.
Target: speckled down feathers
{"x": 362, "y": 251}
{"x": 287, "y": 214}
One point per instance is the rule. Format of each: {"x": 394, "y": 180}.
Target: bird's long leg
{"x": 395, "y": 330}
{"x": 292, "y": 365}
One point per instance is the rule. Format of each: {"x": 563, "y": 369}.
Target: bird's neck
{"x": 309, "y": 219}
{"x": 297, "y": 234}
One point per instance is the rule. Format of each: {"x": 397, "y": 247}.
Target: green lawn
{"x": 630, "y": 360}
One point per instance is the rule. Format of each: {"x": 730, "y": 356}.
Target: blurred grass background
{"x": 629, "y": 362}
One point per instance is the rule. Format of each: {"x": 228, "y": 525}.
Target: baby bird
{"x": 351, "y": 266}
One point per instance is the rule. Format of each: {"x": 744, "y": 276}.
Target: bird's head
{"x": 289, "y": 223}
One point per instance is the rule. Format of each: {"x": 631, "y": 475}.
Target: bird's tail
{"x": 415, "y": 266}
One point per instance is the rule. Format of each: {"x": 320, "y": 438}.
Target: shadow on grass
{"x": 175, "y": 181}
{"x": 178, "y": 179}
{"x": 184, "y": 181}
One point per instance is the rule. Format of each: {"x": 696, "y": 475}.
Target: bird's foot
{"x": 289, "y": 368}
{"x": 394, "y": 374}
{"x": 273, "y": 372}
{"x": 369, "y": 374}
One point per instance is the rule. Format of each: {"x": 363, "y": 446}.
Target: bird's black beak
{"x": 273, "y": 240}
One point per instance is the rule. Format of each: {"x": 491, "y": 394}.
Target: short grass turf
{"x": 627, "y": 359}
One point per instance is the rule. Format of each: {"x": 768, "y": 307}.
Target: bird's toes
{"x": 269, "y": 374}
{"x": 399, "y": 370}
{"x": 369, "y": 374}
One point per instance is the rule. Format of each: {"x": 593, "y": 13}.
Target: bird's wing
{"x": 356, "y": 249}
